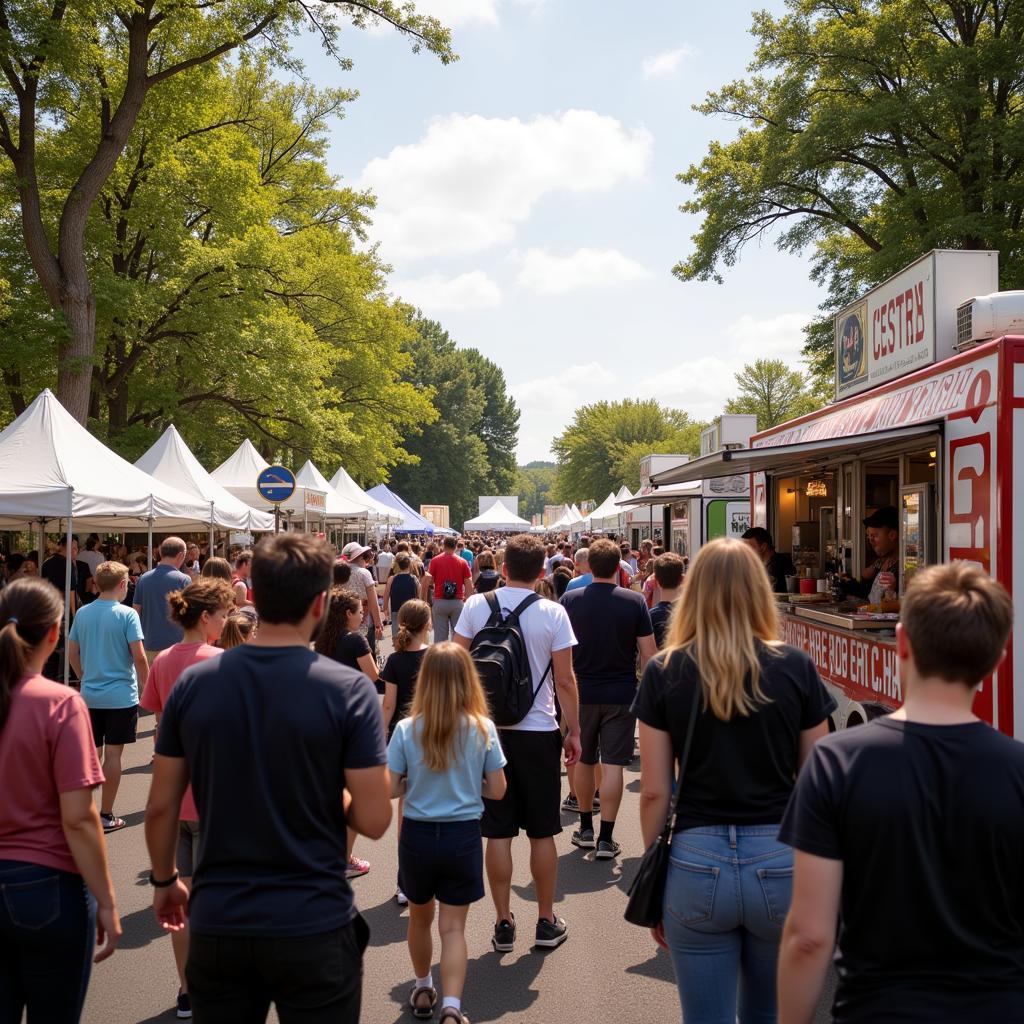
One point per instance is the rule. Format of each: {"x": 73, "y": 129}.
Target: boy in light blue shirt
{"x": 105, "y": 649}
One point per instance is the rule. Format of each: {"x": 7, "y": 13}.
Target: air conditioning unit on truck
{"x": 928, "y": 424}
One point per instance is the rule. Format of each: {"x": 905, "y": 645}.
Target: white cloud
{"x": 471, "y": 181}
{"x": 455, "y": 13}
{"x": 665, "y": 63}
{"x": 434, "y": 293}
{"x": 700, "y": 385}
{"x": 548, "y": 274}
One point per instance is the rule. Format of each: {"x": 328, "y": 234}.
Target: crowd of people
{"x": 513, "y": 660}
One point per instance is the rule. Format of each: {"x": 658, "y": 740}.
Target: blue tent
{"x": 412, "y": 521}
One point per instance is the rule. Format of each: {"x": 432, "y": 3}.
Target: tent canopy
{"x": 412, "y": 521}
{"x": 171, "y": 461}
{"x": 348, "y": 488}
{"x": 497, "y": 517}
{"x": 239, "y": 472}
{"x": 606, "y": 514}
{"x": 51, "y": 468}
{"x": 338, "y": 506}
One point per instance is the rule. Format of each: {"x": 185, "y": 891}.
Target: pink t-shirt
{"x": 163, "y": 674}
{"x": 46, "y": 748}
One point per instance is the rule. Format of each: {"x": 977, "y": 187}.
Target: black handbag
{"x": 647, "y": 890}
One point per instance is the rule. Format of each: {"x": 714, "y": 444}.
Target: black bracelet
{"x": 162, "y": 885}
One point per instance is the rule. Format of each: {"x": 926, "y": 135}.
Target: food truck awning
{"x": 662, "y": 496}
{"x": 790, "y": 458}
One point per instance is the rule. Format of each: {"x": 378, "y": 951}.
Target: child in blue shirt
{"x": 444, "y": 758}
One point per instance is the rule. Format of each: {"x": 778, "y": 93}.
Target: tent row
{"x": 607, "y": 516}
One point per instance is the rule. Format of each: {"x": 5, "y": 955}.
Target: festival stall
{"x": 496, "y": 519}
{"x": 412, "y": 521}
{"x": 348, "y": 488}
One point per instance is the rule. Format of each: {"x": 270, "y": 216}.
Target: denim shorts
{"x": 442, "y": 860}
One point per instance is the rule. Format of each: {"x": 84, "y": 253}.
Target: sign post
{"x": 276, "y": 484}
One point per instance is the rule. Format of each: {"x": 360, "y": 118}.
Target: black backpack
{"x": 499, "y": 652}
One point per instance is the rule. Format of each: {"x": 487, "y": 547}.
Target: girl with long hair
{"x": 58, "y": 897}
{"x": 239, "y": 628}
{"x": 202, "y": 609}
{"x": 759, "y": 706}
{"x": 402, "y": 585}
{"x": 444, "y": 758}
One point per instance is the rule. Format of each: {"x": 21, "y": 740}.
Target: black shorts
{"x": 534, "y": 787}
{"x": 606, "y": 733}
{"x": 442, "y": 860}
{"x": 187, "y": 855}
{"x": 114, "y": 725}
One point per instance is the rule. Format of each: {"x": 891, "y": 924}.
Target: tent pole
{"x": 149, "y": 545}
{"x": 67, "y": 602}
{"x": 211, "y": 537}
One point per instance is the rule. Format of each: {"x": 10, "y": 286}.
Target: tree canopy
{"x": 534, "y": 484}
{"x": 774, "y": 393}
{"x": 869, "y": 133}
{"x": 601, "y": 449}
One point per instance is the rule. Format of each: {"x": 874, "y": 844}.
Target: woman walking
{"x": 202, "y": 610}
{"x": 403, "y": 585}
{"x": 759, "y": 707}
{"x": 444, "y": 759}
{"x": 57, "y": 897}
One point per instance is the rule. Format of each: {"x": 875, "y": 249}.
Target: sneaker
{"x": 583, "y": 838}
{"x": 356, "y": 867}
{"x": 111, "y": 823}
{"x": 606, "y": 849}
{"x": 504, "y": 938}
{"x": 401, "y": 899}
{"x": 571, "y": 804}
{"x": 184, "y": 1006}
{"x": 551, "y": 934}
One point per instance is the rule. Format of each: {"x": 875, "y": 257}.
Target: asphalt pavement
{"x": 607, "y": 970}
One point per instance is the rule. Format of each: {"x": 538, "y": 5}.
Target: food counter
{"x": 854, "y": 652}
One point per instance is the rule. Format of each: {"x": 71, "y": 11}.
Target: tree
{"x": 78, "y": 77}
{"x": 870, "y": 132}
{"x": 534, "y": 483}
{"x": 772, "y": 392}
{"x": 220, "y": 244}
{"x": 601, "y": 449}
{"x": 498, "y": 425}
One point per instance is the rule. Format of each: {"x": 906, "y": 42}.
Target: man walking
{"x": 105, "y": 649}
{"x": 910, "y": 832}
{"x": 150, "y": 599}
{"x": 533, "y": 747}
{"x": 584, "y": 577}
{"x": 271, "y": 915}
{"x": 668, "y": 575}
{"x": 611, "y": 625}
{"x": 452, "y": 585}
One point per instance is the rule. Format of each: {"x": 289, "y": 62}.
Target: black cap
{"x": 886, "y": 517}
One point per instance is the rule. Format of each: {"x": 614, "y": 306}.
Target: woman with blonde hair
{"x": 444, "y": 758}
{"x": 738, "y": 712}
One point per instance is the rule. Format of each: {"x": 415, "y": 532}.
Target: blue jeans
{"x": 47, "y": 934}
{"x": 728, "y": 891}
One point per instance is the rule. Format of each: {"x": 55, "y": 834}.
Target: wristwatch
{"x": 163, "y": 884}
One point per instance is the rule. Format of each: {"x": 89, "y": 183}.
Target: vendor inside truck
{"x": 881, "y": 577}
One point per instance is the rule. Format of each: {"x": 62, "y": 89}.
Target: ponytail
{"x": 28, "y": 610}
{"x": 413, "y": 618}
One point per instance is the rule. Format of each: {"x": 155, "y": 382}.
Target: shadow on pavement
{"x": 658, "y": 966}
{"x": 388, "y": 922}
{"x": 140, "y": 929}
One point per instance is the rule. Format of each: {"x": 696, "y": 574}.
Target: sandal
{"x": 110, "y": 823}
{"x": 450, "y": 1013}
{"x": 419, "y": 1011}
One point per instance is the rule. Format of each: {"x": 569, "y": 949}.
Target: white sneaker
{"x": 401, "y": 899}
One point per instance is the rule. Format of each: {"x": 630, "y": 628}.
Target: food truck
{"x": 929, "y": 420}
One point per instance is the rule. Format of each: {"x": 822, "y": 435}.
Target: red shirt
{"x": 449, "y": 568}
{"x": 46, "y": 748}
{"x": 163, "y": 674}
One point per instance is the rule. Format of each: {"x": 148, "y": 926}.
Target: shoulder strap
{"x": 492, "y": 602}
{"x": 666, "y": 832}
{"x": 513, "y": 616}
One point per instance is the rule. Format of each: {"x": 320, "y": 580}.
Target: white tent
{"x": 606, "y": 515}
{"x": 499, "y": 518}
{"x": 575, "y": 519}
{"x": 171, "y": 461}
{"x": 623, "y": 494}
{"x": 239, "y": 473}
{"x": 53, "y": 469}
{"x": 348, "y": 488}
{"x": 338, "y": 506}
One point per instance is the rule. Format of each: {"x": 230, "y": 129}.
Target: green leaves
{"x": 773, "y": 393}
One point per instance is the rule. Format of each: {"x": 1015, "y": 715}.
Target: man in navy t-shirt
{"x": 283, "y": 748}
{"x": 612, "y": 624}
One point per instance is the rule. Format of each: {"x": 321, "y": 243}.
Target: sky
{"x": 527, "y": 198}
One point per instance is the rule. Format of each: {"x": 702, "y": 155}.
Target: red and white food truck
{"x": 928, "y": 419}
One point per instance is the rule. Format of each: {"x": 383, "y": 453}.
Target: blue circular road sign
{"x": 276, "y": 484}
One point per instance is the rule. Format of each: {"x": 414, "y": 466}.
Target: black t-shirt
{"x": 404, "y": 587}
{"x": 779, "y": 566}
{"x": 349, "y": 648}
{"x": 54, "y": 570}
{"x": 401, "y": 668}
{"x": 929, "y": 823}
{"x": 607, "y": 621}
{"x": 268, "y": 734}
{"x": 486, "y": 581}
{"x": 660, "y": 615}
{"x": 739, "y": 772}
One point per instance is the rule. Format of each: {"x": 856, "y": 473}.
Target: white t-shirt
{"x": 546, "y": 629}
{"x": 384, "y": 562}
{"x": 93, "y": 559}
{"x": 362, "y": 577}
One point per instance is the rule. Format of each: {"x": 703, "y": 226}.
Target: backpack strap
{"x": 492, "y": 602}
{"x": 515, "y": 613}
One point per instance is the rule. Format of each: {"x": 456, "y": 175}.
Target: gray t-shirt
{"x": 151, "y": 596}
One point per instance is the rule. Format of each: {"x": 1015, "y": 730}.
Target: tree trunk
{"x": 74, "y": 368}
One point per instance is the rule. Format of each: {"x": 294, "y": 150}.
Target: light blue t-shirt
{"x": 151, "y": 596}
{"x": 580, "y": 581}
{"x": 466, "y": 554}
{"x": 452, "y": 795}
{"x": 103, "y": 630}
